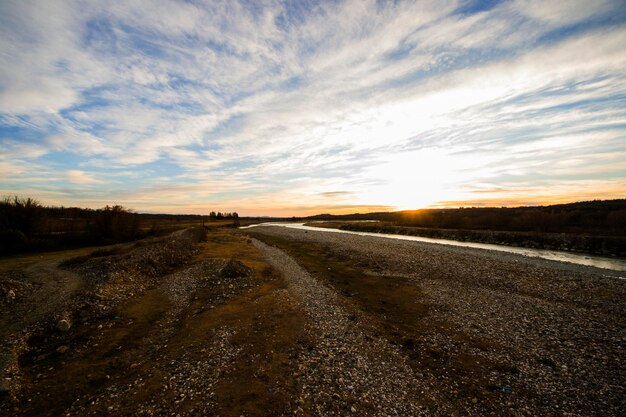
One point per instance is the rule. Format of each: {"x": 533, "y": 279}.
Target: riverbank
{"x": 611, "y": 246}
{"x": 484, "y": 333}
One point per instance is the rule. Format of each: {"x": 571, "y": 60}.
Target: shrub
{"x": 25, "y": 215}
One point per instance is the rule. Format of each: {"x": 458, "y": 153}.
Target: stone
{"x": 63, "y": 349}
{"x": 235, "y": 269}
{"x": 63, "y": 325}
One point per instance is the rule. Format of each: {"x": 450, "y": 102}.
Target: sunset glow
{"x": 295, "y": 108}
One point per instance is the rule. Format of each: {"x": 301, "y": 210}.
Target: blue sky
{"x": 298, "y": 107}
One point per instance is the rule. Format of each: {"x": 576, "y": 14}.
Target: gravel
{"x": 345, "y": 370}
{"x": 501, "y": 335}
{"x": 185, "y": 379}
{"x": 90, "y": 288}
{"x": 559, "y": 328}
{"x": 181, "y": 381}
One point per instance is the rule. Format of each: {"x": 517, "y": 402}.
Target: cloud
{"x": 336, "y": 194}
{"x": 270, "y": 104}
{"x": 80, "y": 177}
{"x": 563, "y": 13}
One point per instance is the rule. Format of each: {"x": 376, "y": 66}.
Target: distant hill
{"x": 607, "y": 217}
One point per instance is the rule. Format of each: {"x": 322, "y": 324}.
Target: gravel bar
{"x": 557, "y": 330}
{"x": 345, "y": 368}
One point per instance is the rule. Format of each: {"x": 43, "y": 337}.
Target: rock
{"x": 474, "y": 400}
{"x": 134, "y": 365}
{"x": 63, "y": 349}
{"x": 352, "y": 409}
{"x": 64, "y": 325}
{"x": 234, "y": 269}
{"x": 11, "y": 295}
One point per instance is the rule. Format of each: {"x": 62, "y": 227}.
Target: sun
{"x": 414, "y": 179}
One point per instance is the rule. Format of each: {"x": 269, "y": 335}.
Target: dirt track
{"x": 310, "y": 323}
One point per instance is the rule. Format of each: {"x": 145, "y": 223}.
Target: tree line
{"x": 599, "y": 217}
{"x": 26, "y": 225}
{"x": 220, "y": 215}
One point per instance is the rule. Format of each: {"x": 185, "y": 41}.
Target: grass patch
{"x": 397, "y": 305}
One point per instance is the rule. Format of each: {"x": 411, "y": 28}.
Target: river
{"x": 615, "y": 264}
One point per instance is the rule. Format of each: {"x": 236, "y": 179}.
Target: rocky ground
{"x": 476, "y": 332}
{"x": 275, "y": 321}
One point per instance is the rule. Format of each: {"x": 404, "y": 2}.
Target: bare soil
{"x": 214, "y": 335}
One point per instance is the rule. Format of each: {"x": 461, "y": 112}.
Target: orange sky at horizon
{"x": 289, "y": 110}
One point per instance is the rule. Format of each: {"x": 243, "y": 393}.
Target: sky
{"x": 303, "y": 107}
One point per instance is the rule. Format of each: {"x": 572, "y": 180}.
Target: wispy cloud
{"x": 80, "y": 177}
{"x": 261, "y": 106}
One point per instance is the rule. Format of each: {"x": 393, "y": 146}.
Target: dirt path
{"x": 48, "y": 287}
{"x": 40, "y": 293}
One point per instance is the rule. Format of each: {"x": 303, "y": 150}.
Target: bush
{"x": 24, "y": 215}
{"x": 115, "y": 224}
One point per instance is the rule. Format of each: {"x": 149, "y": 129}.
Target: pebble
{"x": 63, "y": 325}
{"x": 63, "y": 349}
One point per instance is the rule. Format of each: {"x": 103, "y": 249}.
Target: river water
{"x": 615, "y": 264}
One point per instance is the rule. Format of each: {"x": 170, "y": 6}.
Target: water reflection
{"x": 589, "y": 260}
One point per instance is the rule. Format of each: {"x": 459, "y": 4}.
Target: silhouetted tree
{"x": 23, "y": 215}
{"x": 115, "y": 223}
